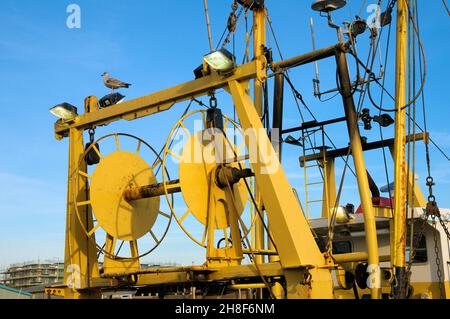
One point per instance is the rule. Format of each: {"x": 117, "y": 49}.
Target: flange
{"x": 198, "y": 162}
{"x": 112, "y": 176}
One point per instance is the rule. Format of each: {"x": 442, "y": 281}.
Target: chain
{"x": 438, "y": 259}
{"x": 413, "y": 251}
{"x": 392, "y": 5}
{"x": 444, "y": 227}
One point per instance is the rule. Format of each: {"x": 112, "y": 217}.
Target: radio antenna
{"x": 316, "y": 81}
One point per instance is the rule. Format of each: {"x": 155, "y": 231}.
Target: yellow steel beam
{"x": 356, "y": 257}
{"x": 157, "y": 102}
{"x": 416, "y": 197}
{"x": 291, "y": 232}
{"x": 259, "y": 41}
{"x": 361, "y": 173}
{"x": 182, "y": 275}
{"x": 246, "y": 271}
{"x": 400, "y": 170}
{"x": 80, "y": 261}
{"x": 329, "y": 188}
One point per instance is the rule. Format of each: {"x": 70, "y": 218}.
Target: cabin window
{"x": 421, "y": 251}
{"x": 342, "y": 247}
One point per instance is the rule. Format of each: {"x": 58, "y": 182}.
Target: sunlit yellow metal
{"x": 114, "y": 265}
{"x": 416, "y": 197}
{"x": 363, "y": 183}
{"x": 195, "y": 178}
{"x": 84, "y": 178}
{"x": 157, "y": 102}
{"x": 90, "y": 104}
{"x": 80, "y": 259}
{"x": 113, "y": 175}
{"x": 400, "y": 168}
{"x": 218, "y": 199}
{"x": 259, "y": 42}
{"x": 290, "y": 229}
{"x": 329, "y": 188}
{"x": 197, "y": 162}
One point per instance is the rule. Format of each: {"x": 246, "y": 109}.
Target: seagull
{"x": 113, "y": 83}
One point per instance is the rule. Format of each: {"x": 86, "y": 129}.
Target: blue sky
{"x": 154, "y": 45}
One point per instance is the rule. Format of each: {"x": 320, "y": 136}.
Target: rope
{"x": 446, "y": 7}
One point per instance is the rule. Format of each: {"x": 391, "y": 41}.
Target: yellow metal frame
{"x": 291, "y": 233}
{"x": 306, "y": 270}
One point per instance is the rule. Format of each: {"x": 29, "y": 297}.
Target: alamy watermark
{"x": 213, "y": 146}
{"x": 74, "y": 278}
{"x": 374, "y": 19}
{"x": 74, "y": 19}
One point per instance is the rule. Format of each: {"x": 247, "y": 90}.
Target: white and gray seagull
{"x": 113, "y": 83}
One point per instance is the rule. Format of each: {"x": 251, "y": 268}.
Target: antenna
{"x": 208, "y": 26}
{"x": 316, "y": 81}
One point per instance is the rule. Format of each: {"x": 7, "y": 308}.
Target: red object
{"x": 382, "y": 202}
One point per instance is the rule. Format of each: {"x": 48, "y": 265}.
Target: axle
{"x": 225, "y": 176}
{"x": 149, "y": 191}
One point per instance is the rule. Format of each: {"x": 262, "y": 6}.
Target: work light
{"x": 65, "y": 111}
{"x": 111, "y": 99}
{"x": 220, "y": 61}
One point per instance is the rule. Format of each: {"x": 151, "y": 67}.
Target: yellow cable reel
{"x": 119, "y": 218}
{"x": 198, "y": 156}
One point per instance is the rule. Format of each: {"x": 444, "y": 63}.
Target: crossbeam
{"x": 156, "y": 102}
{"x": 313, "y": 124}
{"x": 366, "y": 147}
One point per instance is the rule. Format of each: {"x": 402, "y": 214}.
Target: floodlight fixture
{"x": 220, "y": 61}
{"x": 64, "y": 111}
{"x": 111, "y": 99}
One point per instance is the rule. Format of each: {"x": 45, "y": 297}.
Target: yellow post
{"x": 259, "y": 41}
{"x": 400, "y": 172}
{"x": 80, "y": 259}
{"x": 298, "y": 250}
{"x": 329, "y": 188}
{"x": 416, "y": 198}
{"x": 361, "y": 174}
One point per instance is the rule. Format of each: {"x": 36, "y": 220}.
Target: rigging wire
{"x": 446, "y": 7}
{"x": 368, "y": 72}
{"x": 386, "y": 170}
{"x": 422, "y": 85}
{"x": 296, "y": 94}
{"x": 260, "y": 215}
{"x": 382, "y": 86}
{"x": 176, "y": 132}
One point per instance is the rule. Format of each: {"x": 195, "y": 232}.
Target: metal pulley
{"x": 214, "y": 119}
{"x": 92, "y": 157}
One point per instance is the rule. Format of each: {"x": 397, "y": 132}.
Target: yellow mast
{"x": 399, "y": 260}
{"x": 259, "y": 42}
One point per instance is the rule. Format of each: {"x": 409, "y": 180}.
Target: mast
{"x": 259, "y": 41}
{"x": 399, "y": 259}
{"x": 259, "y": 44}
{"x": 208, "y": 26}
